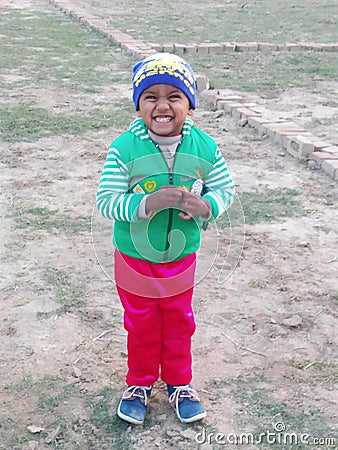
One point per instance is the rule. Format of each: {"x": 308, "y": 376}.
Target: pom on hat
{"x": 164, "y": 68}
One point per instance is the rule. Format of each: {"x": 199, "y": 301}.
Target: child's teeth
{"x": 162, "y": 119}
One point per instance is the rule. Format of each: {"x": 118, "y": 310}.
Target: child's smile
{"x": 163, "y": 119}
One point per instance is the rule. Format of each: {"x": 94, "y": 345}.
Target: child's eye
{"x": 150, "y": 97}
{"x": 174, "y": 97}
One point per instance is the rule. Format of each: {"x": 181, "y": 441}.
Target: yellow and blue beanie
{"x": 164, "y": 68}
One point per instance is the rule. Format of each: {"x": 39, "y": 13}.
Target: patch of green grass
{"x": 49, "y": 220}
{"x": 263, "y": 410}
{"x": 215, "y": 21}
{"x": 326, "y": 122}
{"x": 55, "y": 404}
{"x": 68, "y": 294}
{"x": 267, "y": 206}
{"x": 103, "y": 416}
{"x": 21, "y": 123}
{"x": 53, "y": 392}
{"x": 321, "y": 371}
{"x": 56, "y": 49}
{"x": 267, "y": 74}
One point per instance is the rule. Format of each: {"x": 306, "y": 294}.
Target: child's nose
{"x": 162, "y": 103}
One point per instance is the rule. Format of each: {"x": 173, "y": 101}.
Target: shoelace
{"x": 182, "y": 392}
{"x": 133, "y": 391}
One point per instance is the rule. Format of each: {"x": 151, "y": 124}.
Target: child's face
{"x": 163, "y": 109}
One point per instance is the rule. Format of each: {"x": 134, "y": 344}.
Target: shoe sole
{"x": 193, "y": 419}
{"x": 128, "y": 418}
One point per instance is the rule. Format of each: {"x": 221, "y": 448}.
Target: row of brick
{"x": 290, "y": 136}
{"x": 297, "y": 141}
{"x": 220, "y": 48}
{"x": 137, "y": 47}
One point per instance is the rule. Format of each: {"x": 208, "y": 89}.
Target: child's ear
{"x": 190, "y": 112}
{"x": 138, "y": 113}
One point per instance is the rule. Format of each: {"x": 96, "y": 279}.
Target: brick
{"x": 142, "y": 44}
{"x": 311, "y": 46}
{"x": 222, "y": 104}
{"x": 231, "y": 98}
{"x": 210, "y": 97}
{"x": 246, "y": 47}
{"x": 286, "y": 127}
{"x": 317, "y": 47}
{"x": 127, "y": 46}
{"x": 226, "y": 92}
{"x": 290, "y": 46}
{"x": 283, "y": 124}
{"x": 228, "y": 107}
{"x": 267, "y": 47}
{"x": 276, "y": 132}
{"x": 179, "y": 49}
{"x": 261, "y": 125}
{"x": 203, "y": 49}
{"x": 271, "y": 117}
{"x": 326, "y": 162}
{"x": 330, "y": 47}
{"x": 247, "y": 112}
{"x": 94, "y": 21}
{"x": 250, "y": 105}
{"x": 286, "y": 138}
{"x": 302, "y": 145}
{"x": 229, "y": 47}
{"x": 121, "y": 37}
{"x": 216, "y": 48}
{"x": 168, "y": 48}
{"x": 319, "y": 145}
{"x": 146, "y": 53}
{"x": 320, "y": 156}
{"x": 333, "y": 149}
{"x": 191, "y": 48}
{"x": 202, "y": 83}
{"x": 330, "y": 166}
{"x": 236, "y": 114}
{"x": 259, "y": 109}
{"x": 157, "y": 47}
{"x": 258, "y": 121}
{"x": 293, "y": 152}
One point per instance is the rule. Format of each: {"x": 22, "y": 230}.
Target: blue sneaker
{"x": 186, "y": 403}
{"x": 133, "y": 405}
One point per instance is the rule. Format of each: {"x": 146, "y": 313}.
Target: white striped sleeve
{"x": 219, "y": 185}
{"x": 112, "y": 199}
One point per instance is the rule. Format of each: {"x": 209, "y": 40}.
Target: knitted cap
{"x": 164, "y": 68}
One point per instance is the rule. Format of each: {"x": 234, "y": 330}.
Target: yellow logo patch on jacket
{"x": 150, "y": 186}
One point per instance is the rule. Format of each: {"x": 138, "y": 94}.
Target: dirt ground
{"x": 266, "y": 297}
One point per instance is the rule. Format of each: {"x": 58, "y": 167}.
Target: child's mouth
{"x": 162, "y": 119}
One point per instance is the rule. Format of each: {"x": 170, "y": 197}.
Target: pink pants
{"x": 158, "y": 316}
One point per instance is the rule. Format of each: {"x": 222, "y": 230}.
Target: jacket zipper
{"x": 170, "y": 219}
{"x": 171, "y": 210}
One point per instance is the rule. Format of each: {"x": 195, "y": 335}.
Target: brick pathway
{"x": 297, "y": 141}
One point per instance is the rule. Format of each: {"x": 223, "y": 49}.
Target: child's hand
{"x": 165, "y": 197}
{"x": 193, "y": 205}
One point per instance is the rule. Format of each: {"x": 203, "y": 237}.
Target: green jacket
{"x": 136, "y": 167}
